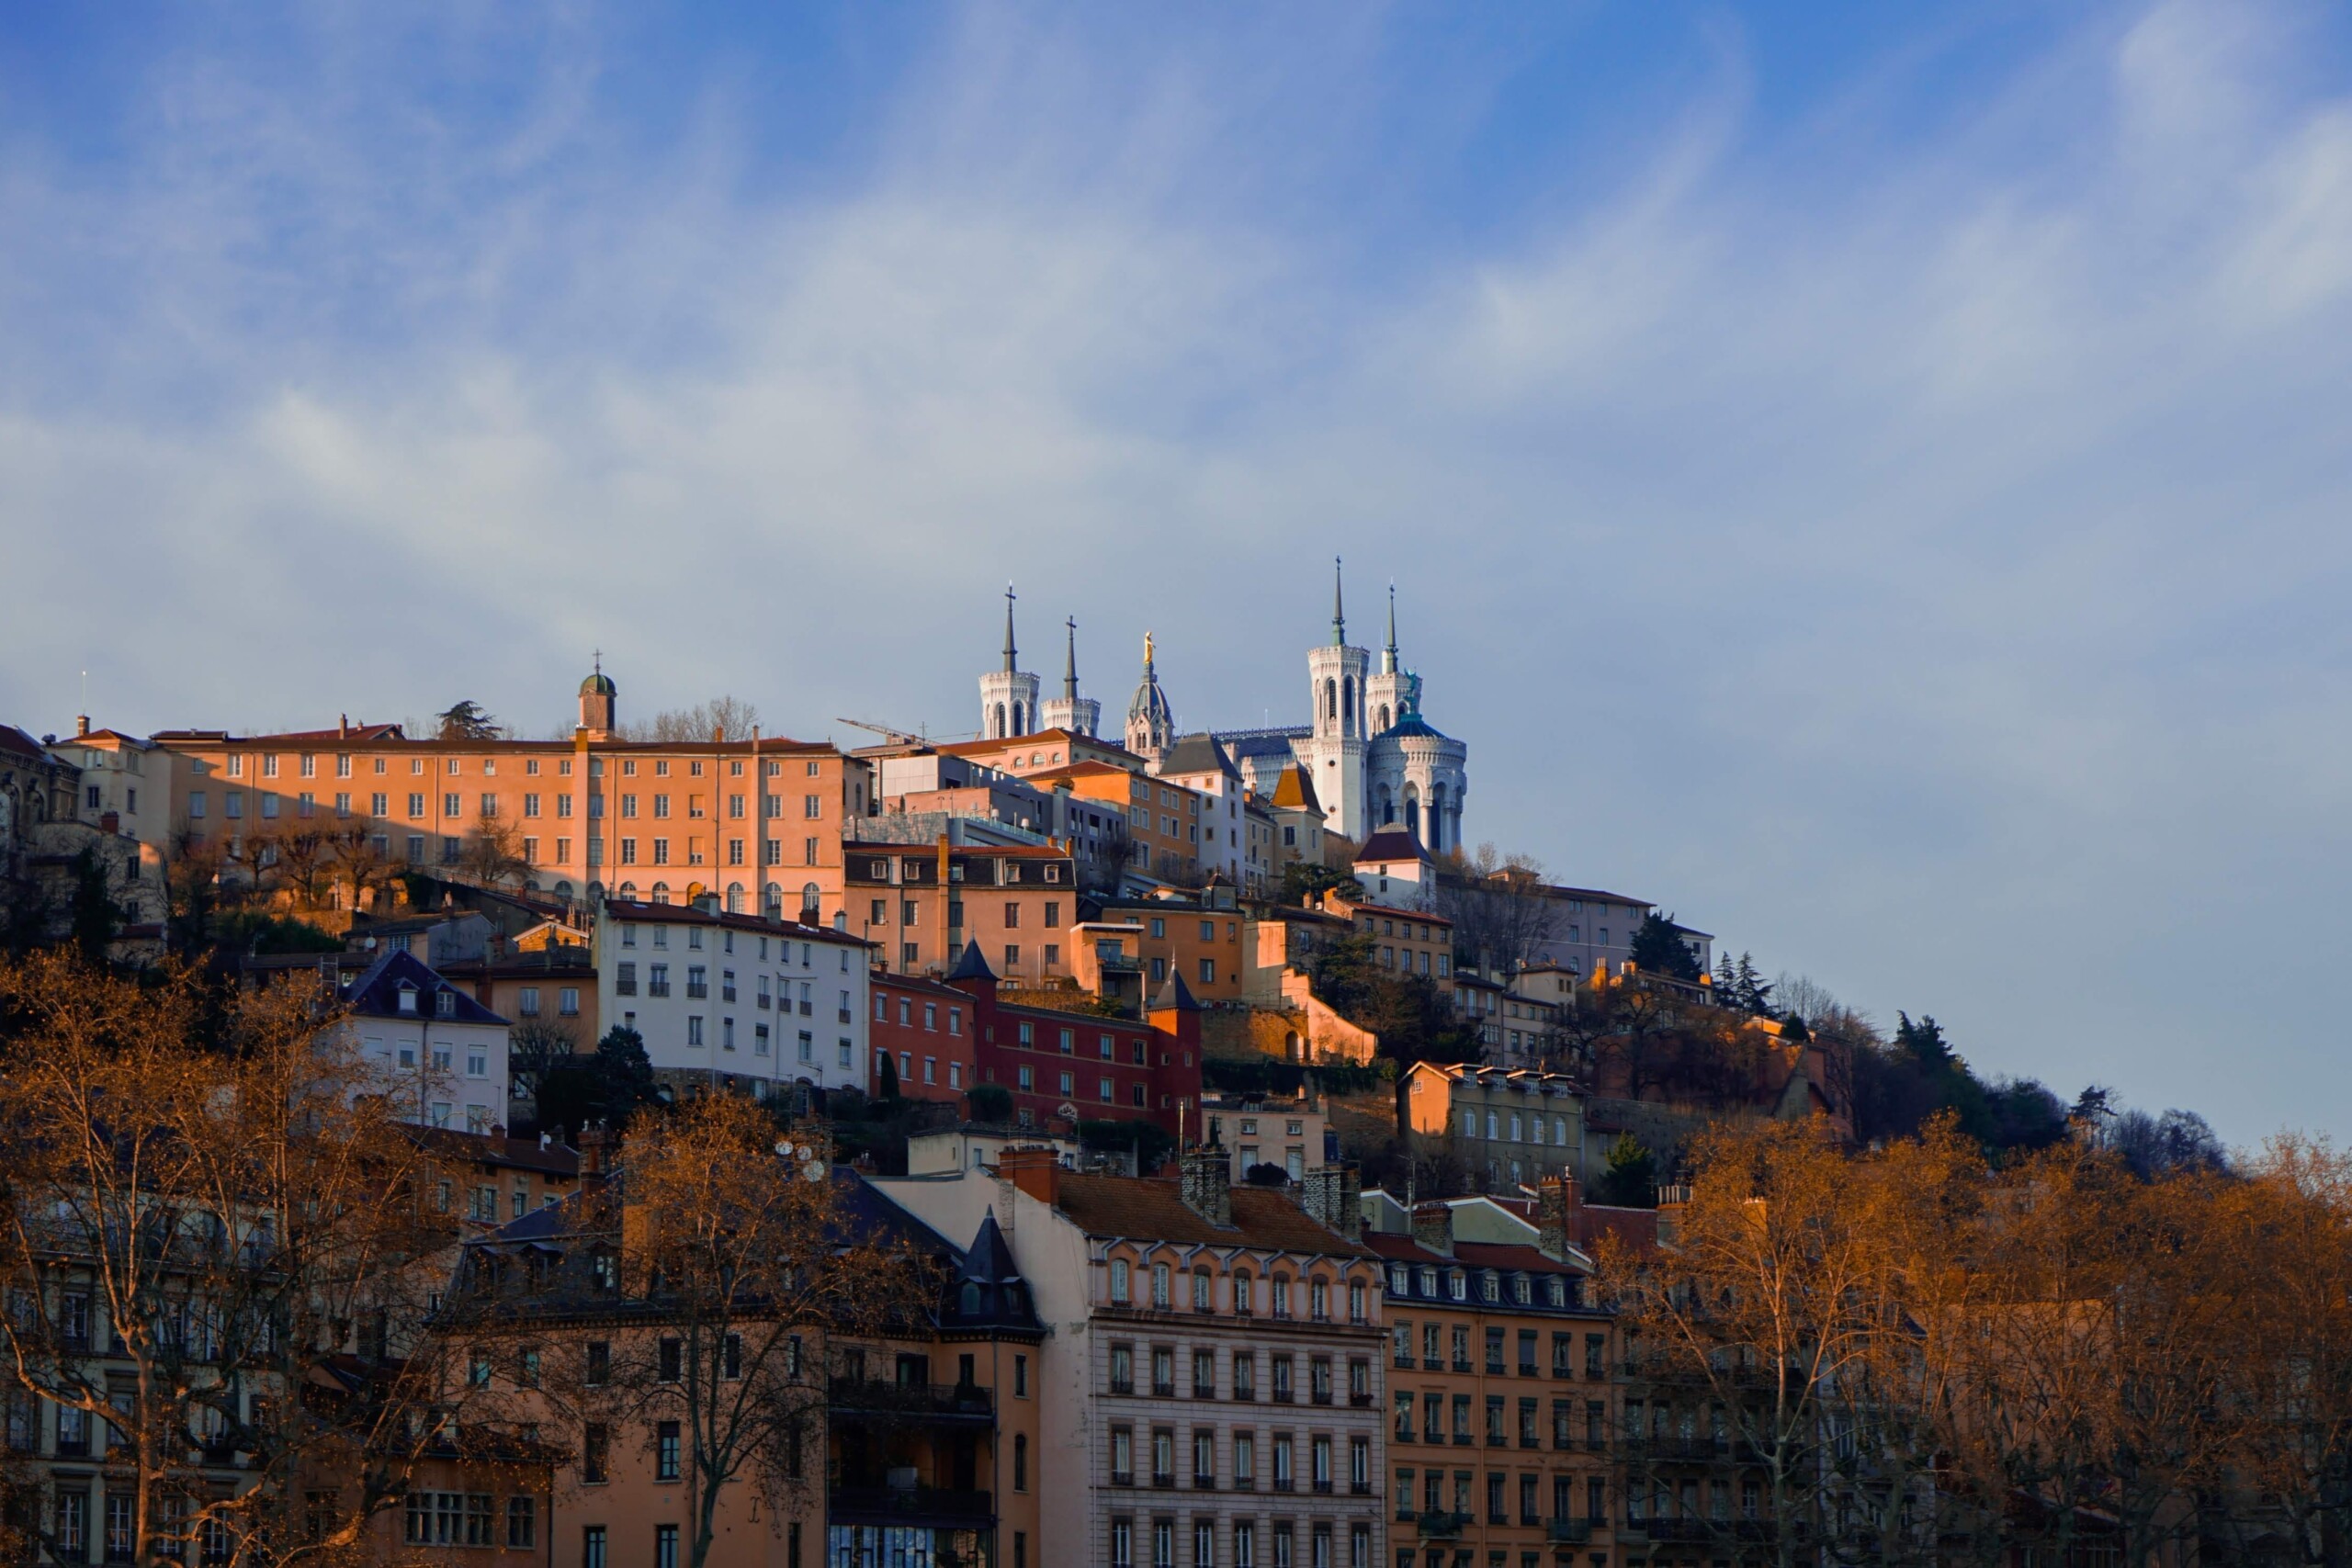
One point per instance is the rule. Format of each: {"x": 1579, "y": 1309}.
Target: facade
{"x": 1502, "y": 1398}
{"x": 1200, "y": 939}
{"x": 1394, "y": 868}
{"x": 442, "y": 1053}
{"x": 1507, "y": 1127}
{"x": 1164, "y": 819}
{"x": 1200, "y": 765}
{"x": 755, "y": 822}
{"x": 1268, "y": 1130}
{"x": 734, "y": 1002}
{"x": 1211, "y": 1388}
{"x": 1374, "y": 761}
{"x": 1405, "y": 940}
{"x": 926, "y": 1030}
{"x": 1063, "y": 1067}
{"x": 921, "y": 907}
{"x": 1590, "y": 928}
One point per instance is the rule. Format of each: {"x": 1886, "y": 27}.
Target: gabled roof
{"x": 14, "y": 739}
{"x": 1199, "y": 752}
{"x": 1391, "y": 844}
{"x": 377, "y": 992}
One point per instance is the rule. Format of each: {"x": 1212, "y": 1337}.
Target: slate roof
{"x": 1391, "y": 844}
{"x": 1199, "y": 752}
{"x": 1151, "y": 1208}
{"x": 1413, "y": 724}
{"x": 1175, "y": 996}
{"x": 376, "y": 994}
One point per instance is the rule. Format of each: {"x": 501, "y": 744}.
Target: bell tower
{"x": 1070, "y": 711}
{"x": 1008, "y": 694}
{"x": 1334, "y": 753}
{"x": 596, "y": 696}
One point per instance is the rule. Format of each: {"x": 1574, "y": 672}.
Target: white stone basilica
{"x": 1369, "y": 758}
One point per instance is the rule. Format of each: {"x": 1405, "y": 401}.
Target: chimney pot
{"x": 1037, "y": 1171}
{"x": 1434, "y": 1228}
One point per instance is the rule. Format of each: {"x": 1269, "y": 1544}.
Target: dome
{"x": 599, "y": 685}
{"x": 1150, "y": 703}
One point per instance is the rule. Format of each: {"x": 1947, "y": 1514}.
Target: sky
{"x": 1872, "y": 479}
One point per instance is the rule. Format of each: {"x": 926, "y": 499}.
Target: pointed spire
{"x": 1389, "y": 657}
{"x": 1070, "y": 665}
{"x": 1339, "y": 611}
{"x": 1010, "y": 655}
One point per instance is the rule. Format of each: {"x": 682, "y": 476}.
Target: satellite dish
{"x": 813, "y": 1171}
{"x": 784, "y": 1147}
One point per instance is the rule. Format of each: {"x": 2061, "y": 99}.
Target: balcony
{"x": 1322, "y": 1396}
{"x": 1204, "y": 1483}
{"x": 1567, "y": 1531}
{"x": 932, "y": 1505}
{"x": 1359, "y": 1401}
{"x": 872, "y": 1399}
{"x": 1164, "y": 1480}
{"x": 1443, "y": 1527}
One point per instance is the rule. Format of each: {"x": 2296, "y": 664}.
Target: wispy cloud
{"x": 1914, "y": 553}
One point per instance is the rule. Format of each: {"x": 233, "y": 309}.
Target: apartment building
{"x": 925, "y": 1029}
{"x": 1201, "y": 939}
{"x": 1502, "y": 1406}
{"x": 734, "y": 1002}
{"x": 1065, "y": 1065}
{"x": 1508, "y": 1127}
{"x": 1212, "y": 1390}
{"x": 1405, "y": 941}
{"x": 921, "y": 907}
{"x": 755, "y": 822}
{"x": 442, "y": 1053}
{"x": 1164, "y": 820}
{"x": 1260, "y": 1129}
{"x": 1200, "y": 763}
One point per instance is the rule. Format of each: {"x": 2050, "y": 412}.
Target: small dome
{"x": 599, "y": 685}
{"x": 1151, "y": 702}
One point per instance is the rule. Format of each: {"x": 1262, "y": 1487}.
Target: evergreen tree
{"x": 95, "y": 918}
{"x": 466, "y": 721}
{"x": 1629, "y": 1181}
{"x": 889, "y": 1087}
{"x": 1659, "y": 949}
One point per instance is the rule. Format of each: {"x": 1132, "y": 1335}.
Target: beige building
{"x": 1507, "y": 1127}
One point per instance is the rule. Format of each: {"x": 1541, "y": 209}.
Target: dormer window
{"x": 445, "y": 1004}
{"x": 408, "y": 997}
{"x": 1458, "y": 1286}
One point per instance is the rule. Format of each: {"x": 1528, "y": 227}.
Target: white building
{"x": 443, "y": 1053}
{"x": 734, "y": 1002}
{"x": 1370, "y": 757}
{"x": 1211, "y": 1388}
{"x": 1008, "y": 694}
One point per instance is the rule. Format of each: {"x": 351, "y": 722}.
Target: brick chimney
{"x": 1556, "y": 1204}
{"x": 1330, "y": 1194}
{"x": 1037, "y": 1171}
{"x": 81, "y": 725}
{"x": 1207, "y": 1184}
{"x": 593, "y": 1141}
{"x": 1434, "y": 1228}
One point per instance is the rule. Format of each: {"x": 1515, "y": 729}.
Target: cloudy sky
{"x": 1873, "y": 479}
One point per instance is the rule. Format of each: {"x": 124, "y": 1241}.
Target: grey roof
{"x": 1199, "y": 752}
{"x": 1175, "y": 996}
{"x": 376, "y": 994}
{"x": 971, "y": 966}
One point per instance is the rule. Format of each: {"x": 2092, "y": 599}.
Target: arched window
{"x": 629, "y": 891}
{"x": 1348, "y": 705}
{"x": 970, "y": 1306}
{"x": 734, "y": 898}
{"x": 1018, "y": 727}
{"x": 1279, "y": 1288}
{"x": 1000, "y": 723}
{"x": 1241, "y": 1294}
{"x": 1412, "y": 815}
{"x": 661, "y": 892}
{"x": 1383, "y": 720}
{"x": 1387, "y": 805}
{"x": 1331, "y": 700}
{"x": 1437, "y": 816}
{"x": 809, "y": 895}
{"x": 563, "y": 891}
{"x": 772, "y": 900}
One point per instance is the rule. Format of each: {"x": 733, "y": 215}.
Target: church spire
{"x": 1339, "y": 611}
{"x": 1010, "y": 655}
{"x": 1388, "y": 656}
{"x": 1069, "y": 664}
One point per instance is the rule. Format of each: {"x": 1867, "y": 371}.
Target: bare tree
{"x": 492, "y": 853}
{"x": 724, "y": 717}
{"x": 1502, "y": 909}
{"x": 205, "y": 1198}
{"x": 360, "y": 860}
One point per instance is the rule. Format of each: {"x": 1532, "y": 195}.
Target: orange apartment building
{"x": 755, "y": 821}
{"x": 922, "y": 904}
{"x": 1025, "y": 755}
{"x": 1502, "y": 1402}
{"x": 1160, "y": 937}
{"x": 1165, "y": 820}
{"x": 1408, "y": 942}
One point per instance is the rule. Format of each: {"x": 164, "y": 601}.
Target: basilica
{"x": 1367, "y": 758}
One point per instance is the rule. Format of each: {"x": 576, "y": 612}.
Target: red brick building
{"x": 928, "y": 1030}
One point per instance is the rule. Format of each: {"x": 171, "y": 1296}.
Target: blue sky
{"x": 1873, "y": 479}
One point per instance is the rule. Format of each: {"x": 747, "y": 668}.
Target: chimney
{"x": 1331, "y": 1196}
{"x": 1207, "y": 1184}
{"x": 1670, "y": 1201}
{"x": 343, "y": 726}
{"x": 1037, "y": 1171}
{"x": 1434, "y": 1228}
{"x": 81, "y": 725}
{"x": 110, "y": 822}
{"x": 1556, "y": 1203}
{"x": 593, "y": 1139}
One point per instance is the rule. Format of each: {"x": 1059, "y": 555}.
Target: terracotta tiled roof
{"x": 1422, "y": 915}
{"x": 1151, "y": 1209}
{"x": 1294, "y": 791}
{"x": 687, "y": 915}
{"x": 1468, "y": 1253}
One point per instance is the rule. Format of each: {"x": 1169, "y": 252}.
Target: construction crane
{"x": 894, "y": 736}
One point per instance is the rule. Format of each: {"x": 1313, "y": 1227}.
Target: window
{"x": 522, "y": 1523}
{"x": 665, "y": 1541}
{"x": 665, "y": 1452}
{"x": 1119, "y": 1280}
